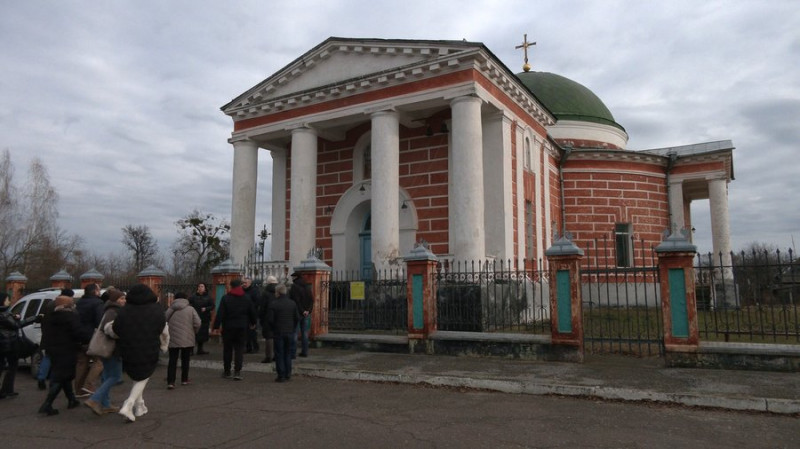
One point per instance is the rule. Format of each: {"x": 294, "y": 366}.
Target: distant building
{"x": 377, "y": 144}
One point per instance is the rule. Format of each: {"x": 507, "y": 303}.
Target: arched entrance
{"x": 351, "y": 229}
{"x": 365, "y": 246}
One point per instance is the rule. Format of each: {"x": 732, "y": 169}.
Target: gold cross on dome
{"x": 524, "y": 46}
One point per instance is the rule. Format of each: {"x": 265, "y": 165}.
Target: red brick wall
{"x": 609, "y": 194}
{"x": 423, "y": 174}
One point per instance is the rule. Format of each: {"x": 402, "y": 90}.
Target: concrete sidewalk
{"x": 599, "y": 377}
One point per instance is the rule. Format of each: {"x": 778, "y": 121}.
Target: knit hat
{"x": 63, "y": 302}
{"x": 271, "y": 280}
{"x": 141, "y": 294}
{"x": 114, "y": 295}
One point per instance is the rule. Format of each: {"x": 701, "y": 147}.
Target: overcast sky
{"x": 121, "y": 99}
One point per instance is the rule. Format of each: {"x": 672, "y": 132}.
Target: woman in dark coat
{"x": 139, "y": 327}
{"x": 62, "y": 336}
{"x": 203, "y": 304}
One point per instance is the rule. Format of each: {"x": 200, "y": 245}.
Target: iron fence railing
{"x": 621, "y": 305}
{"x": 493, "y": 296}
{"x": 378, "y": 305}
{"x": 749, "y": 296}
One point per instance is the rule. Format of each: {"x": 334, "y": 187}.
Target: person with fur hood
{"x": 184, "y": 322}
{"x": 142, "y": 332}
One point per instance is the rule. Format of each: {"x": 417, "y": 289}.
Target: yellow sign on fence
{"x": 357, "y": 290}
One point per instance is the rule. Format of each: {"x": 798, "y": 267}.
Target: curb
{"x": 749, "y": 404}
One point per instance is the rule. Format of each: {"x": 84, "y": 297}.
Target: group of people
{"x": 281, "y": 311}
{"x": 137, "y": 329}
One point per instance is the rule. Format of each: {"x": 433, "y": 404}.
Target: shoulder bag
{"x": 101, "y": 345}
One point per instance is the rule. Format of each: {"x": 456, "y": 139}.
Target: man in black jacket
{"x": 283, "y": 316}
{"x": 252, "y": 292}
{"x": 236, "y": 315}
{"x": 300, "y": 293}
{"x": 88, "y": 370}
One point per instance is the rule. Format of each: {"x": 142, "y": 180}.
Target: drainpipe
{"x": 566, "y": 151}
{"x": 672, "y": 157}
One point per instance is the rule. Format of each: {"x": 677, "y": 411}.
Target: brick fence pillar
{"x": 318, "y": 274}
{"x": 678, "y": 301}
{"x": 15, "y": 285}
{"x": 421, "y": 267}
{"x": 152, "y": 277}
{"x": 61, "y": 280}
{"x": 91, "y": 277}
{"x": 221, "y": 277}
{"x": 566, "y": 309}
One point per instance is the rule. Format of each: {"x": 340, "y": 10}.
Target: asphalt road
{"x": 311, "y": 412}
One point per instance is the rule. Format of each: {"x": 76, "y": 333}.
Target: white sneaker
{"x": 127, "y": 411}
{"x": 139, "y": 409}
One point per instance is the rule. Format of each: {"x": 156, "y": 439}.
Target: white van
{"x": 31, "y": 305}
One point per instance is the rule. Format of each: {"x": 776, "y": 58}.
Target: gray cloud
{"x": 121, "y": 99}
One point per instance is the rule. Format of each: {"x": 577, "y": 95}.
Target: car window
{"x": 18, "y": 307}
{"x": 44, "y": 304}
{"x": 33, "y": 308}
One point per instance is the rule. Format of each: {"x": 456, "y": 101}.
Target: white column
{"x": 676, "y": 206}
{"x": 466, "y": 206}
{"x": 499, "y": 213}
{"x": 385, "y": 188}
{"x": 725, "y": 292}
{"x": 243, "y": 204}
{"x": 720, "y": 221}
{"x": 303, "y": 202}
{"x": 278, "y": 227}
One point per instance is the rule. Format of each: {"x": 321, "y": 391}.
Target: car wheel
{"x": 36, "y": 360}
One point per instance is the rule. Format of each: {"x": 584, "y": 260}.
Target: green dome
{"x": 566, "y": 99}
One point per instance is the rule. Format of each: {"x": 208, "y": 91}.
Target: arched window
{"x": 527, "y": 155}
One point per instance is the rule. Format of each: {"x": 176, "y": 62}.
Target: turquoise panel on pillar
{"x": 416, "y": 293}
{"x": 677, "y": 301}
{"x": 219, "y": 295}
{"x": 564, "y": 301}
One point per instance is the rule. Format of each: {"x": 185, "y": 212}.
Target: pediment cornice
{"x": 339, "y": 68}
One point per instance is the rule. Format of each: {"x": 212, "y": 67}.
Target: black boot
{"x": 47, "y": 407}
{"x": 70, "y": 393}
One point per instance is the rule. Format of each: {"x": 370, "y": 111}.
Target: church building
{"x": 377, "y": 144}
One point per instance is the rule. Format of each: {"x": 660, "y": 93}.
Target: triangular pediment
{"x": 349, "y": 64}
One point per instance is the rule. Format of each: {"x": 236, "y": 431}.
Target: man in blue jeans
{"x": 282, "y": 317}
{"x": 301, "y": 294}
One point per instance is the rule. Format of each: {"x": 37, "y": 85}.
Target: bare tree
{"x": 30, "y": 240}
{"x": 202, "y": 243}
{"x": 140, "y": 242}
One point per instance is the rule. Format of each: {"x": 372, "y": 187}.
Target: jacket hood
{"x": 180, "y": 303}
{"x": 237, "y": 291}
{"x": 141, "y": 294}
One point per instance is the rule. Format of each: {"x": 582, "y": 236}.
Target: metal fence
{"x": 492, "y": 296}
{"x": 621, "y": 305}
{"x": 258, "y": 268}
{"x": 378, "y": 305}
{"x": 749, "y": 297}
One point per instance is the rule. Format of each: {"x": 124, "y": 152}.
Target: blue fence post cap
{"x": 16, "y": 276}
{"x": 421, "y": 251}
{"x": 312, "y": 263}
{"x": 226, "y": 267}
{"x": 61, "y": 276}
{"x": 152, "y": 270}
{"x": 92, "y": 274}
{"x": 676, "y": 242}
{"x": 563, "y": 247}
